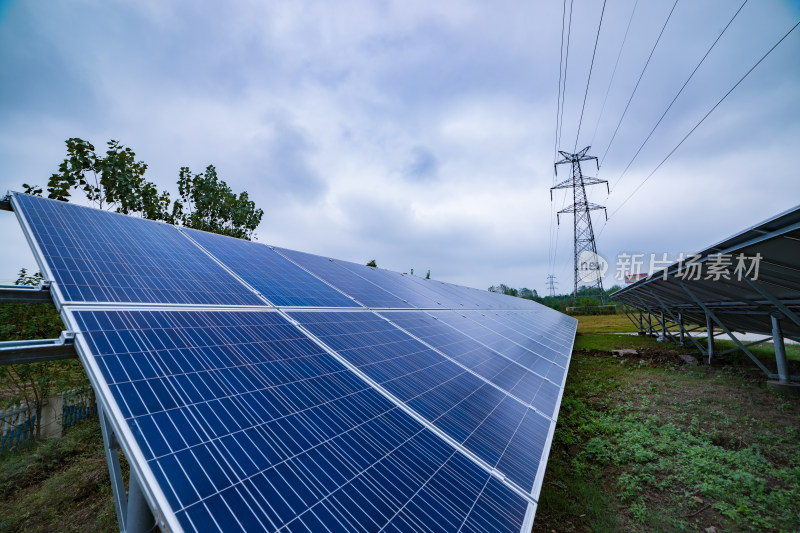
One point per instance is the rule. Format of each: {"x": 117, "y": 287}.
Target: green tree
{"x": 207, "y": 203}
{"x": 33, "y": 383}
{"x": 114, "y": 181}
{"x": 372, "y": 263}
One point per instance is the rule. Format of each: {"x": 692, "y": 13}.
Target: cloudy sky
{"x": 420, "y": 134}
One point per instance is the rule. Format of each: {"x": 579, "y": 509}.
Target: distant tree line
{"x": 587, "y": 296}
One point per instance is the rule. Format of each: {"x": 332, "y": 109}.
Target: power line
{"x": 560, "y": 73}
{"x": 705, "y": 117}
{"x": 566, "y": 68}
{"x": 614, "y": 72}
{"x": 639, "y": 81}
{"x": 591, "y": 67}
{"x": 679, "y": 93}
{"x": 558, "y": 127}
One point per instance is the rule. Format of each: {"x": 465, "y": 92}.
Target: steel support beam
{"x": 37, "y": 351}
{"x": 631, "y": 318}
{"x": 710, "y": 314}
{"x": 748, "y": 344}
{"x": 791, "y": 315}
{"x": 24, "y": 294}
{"x": 680, "y": 327}
{"x": 780, "y": 350}
{"x": 679, "y": 320}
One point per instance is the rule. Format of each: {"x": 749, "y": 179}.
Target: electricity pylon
{"x": 551, "y": 284}
{"x": 587, "y": 267}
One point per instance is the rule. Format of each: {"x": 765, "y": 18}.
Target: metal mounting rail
{"x": 25, "y": 294}
{"x": 37, "y": 351}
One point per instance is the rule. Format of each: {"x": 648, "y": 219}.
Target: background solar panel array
{"x": 271, "y": 389}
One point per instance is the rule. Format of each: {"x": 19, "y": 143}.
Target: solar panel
{"x": 96, "y": 256}
{"x": 482, "y": 418}
{"x": 279, "y": 280}
{"x": 533, "y": 389}
{"x": 539, "y": 358}
{"x": 268, "y": 430}
{"x": 362, "y": 290}
{"x": 293, "y": 407}
{"x": 400, "y": 286}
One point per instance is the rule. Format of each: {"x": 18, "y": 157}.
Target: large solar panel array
{"x": 258, "y": 388}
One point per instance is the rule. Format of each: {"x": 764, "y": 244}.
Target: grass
{"x": 59, "y": 484}
{"x": 646, "y": 443}
{"x": 605, "y": 324}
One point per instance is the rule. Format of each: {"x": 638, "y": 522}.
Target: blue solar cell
{"x": 277, "y": 279}
{"x": 402, "y": 286}
{"x": 450, "y": 397}
{"x": 537, "y": 357}
{"x": 551, "y": 328}
{"x": 247, "y": 425}
{"x": 346, "y": 281}
{"x": 97, "y": 256}
{"x": 509, "y": 375}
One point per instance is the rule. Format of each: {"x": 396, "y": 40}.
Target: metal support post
{"x": 663, "y": 326}
{"x": 780, "y": 350}
{"x": 649, "y": 323}
{"x": 115, "y": 472}
{"x": 133, "y": 513}
{"x": 641, "y": 323}
{"x": 140, "y": 518}
{"x": 680, "y": 327}
{"x": 679, "y": 320}
{"x": 709, "y": 337}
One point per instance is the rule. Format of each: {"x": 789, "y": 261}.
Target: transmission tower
{"x": 551, "y": 284}
{"x": 586, "y": 266}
